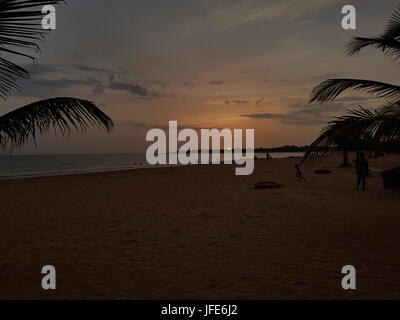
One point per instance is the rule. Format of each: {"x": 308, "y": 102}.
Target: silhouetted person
{"x": 299, "y": 174}
{"x": 362, "y": 170}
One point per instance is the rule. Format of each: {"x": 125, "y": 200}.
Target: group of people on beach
{"x": 362, "y": 171}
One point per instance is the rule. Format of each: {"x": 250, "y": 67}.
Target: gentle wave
{"x": 49, "y": 165}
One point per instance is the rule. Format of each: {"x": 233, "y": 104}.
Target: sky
{"x": 236, "y": 64}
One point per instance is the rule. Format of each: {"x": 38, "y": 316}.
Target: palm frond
{"x": 390, "y": 46}
{"x": 64, "y": 115}
{"x": 361, "y": 126}
{"x": 330, "y": 89}
{"x": 392, "y": 29}
{"x": 388, "y": 42}
{"x": 20, "y": 30}
{"x": 364, "y": 127}
{"x": 327, "y": 141}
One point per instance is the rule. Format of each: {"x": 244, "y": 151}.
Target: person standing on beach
{"x": 362, "y": 170}
{"x": 299, "y": 174}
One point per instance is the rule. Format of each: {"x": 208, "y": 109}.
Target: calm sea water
{"x": 45, "y": 165}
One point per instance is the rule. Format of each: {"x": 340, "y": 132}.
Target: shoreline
{"x": 105, "y": 170}
{"x": 73, "y": 173}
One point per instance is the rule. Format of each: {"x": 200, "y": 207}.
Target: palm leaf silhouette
{"x": 389, "y": 43}
{"x": 20, "y": 29}
{"x": 370, "y": 127}
{"x": 63, "y": 115}
{"x": 330, "y": 89}
{"x": 393, "y": 25}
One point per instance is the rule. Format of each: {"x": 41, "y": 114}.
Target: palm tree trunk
{"x": 345, "y": 163}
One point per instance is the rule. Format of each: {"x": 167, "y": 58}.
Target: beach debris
{"x": 391, "y": 178}
{"x": 322, "y": 171}
{"x": 375, "y": 172}
{"x": 267, "y": 185}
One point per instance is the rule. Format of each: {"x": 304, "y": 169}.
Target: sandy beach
{"x": 201, "y": 232}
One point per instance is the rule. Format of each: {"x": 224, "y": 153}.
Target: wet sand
{"x": 200, "y": 232}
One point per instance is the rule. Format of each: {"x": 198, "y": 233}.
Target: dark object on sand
{"x": 391, "y": 178}
{"x": 322, "y": 171}
{"x": 346, "y": 165}
{"x": 267, "y": 185}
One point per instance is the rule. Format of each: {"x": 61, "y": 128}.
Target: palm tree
{"x": 21, "y": 29}
{"x": 362, "y": 129}
{"x": 389, "y": 43}
{"x": 346, "y": 140}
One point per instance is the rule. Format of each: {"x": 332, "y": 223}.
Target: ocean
{"x": 48, "y": 165}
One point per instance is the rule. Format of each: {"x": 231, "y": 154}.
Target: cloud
{"x": 317, "y": 108}
{"x": 243, "y": 12}
{"x": 98, "y": 90}
{"x": 43, "y": 88}
{"x": 89, "y": 68}
{"x": 253, "y": 71}
{"x": 190, "y": 84}
{"x": 43, "y": 73}
{"x": 291, "y": 119}
{"x": 261, "y": 102}
{"x": 139, "y": 91}
{"x": 63, "y": 83}
{"x": 217, "y": 82}
{"x": 45, "y": 77}
{"x": 44, "y": 69}
{"x": 129, "y": 87}
{"x": 302, "y": 114}
{"x": 238, "y": 102}
{"x": 39, "y": 86}
{"x": 147, "y": 126}
{"x": 159, "y": 83}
